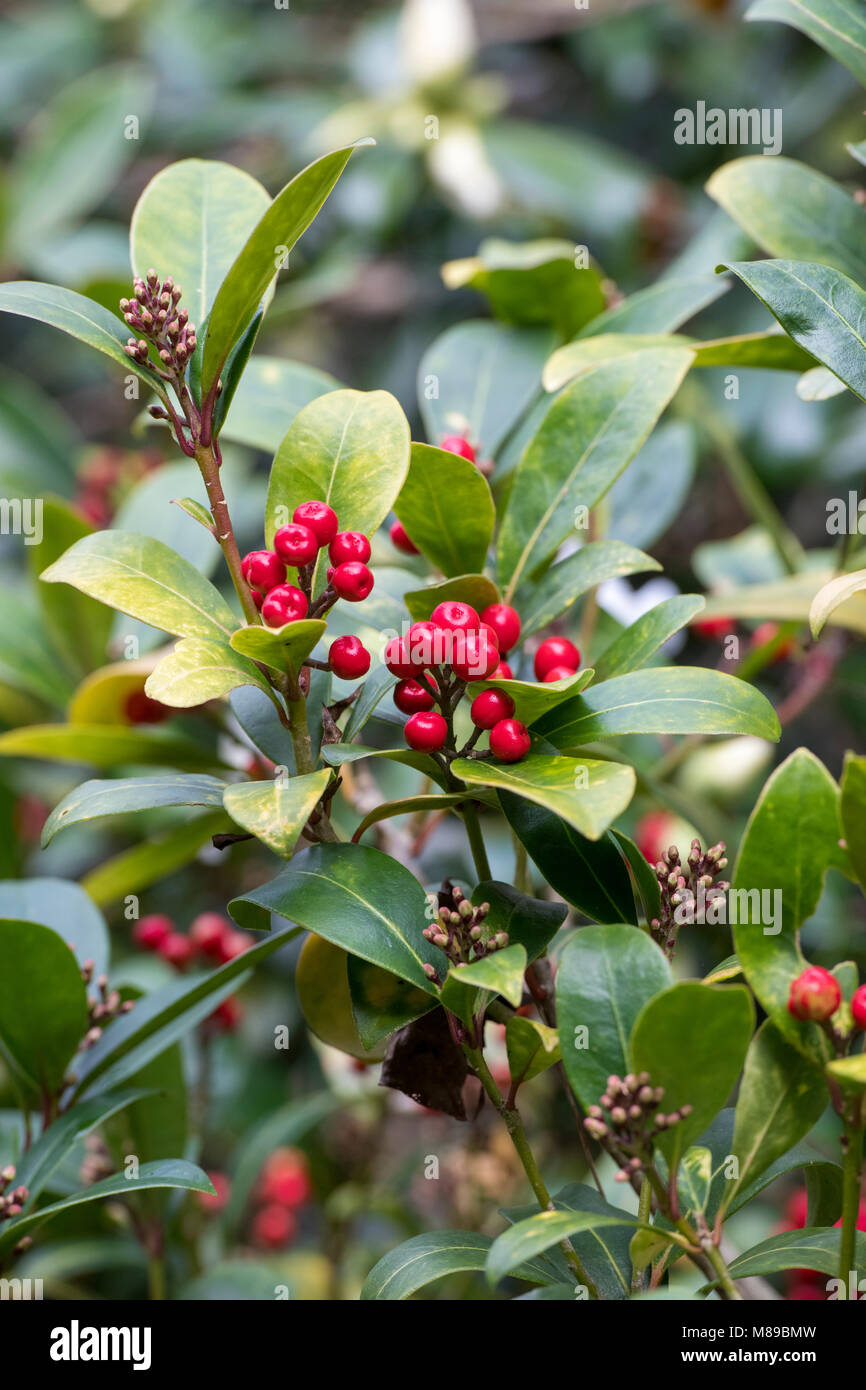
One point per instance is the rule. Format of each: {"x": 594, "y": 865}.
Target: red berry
{"x": 858, "y": 1007}
{"x": 411, "y": 698}
{"x": 768, "y": 632}
{"x": 349, "y": 545}
{"x": 177, "y": 949}
{"x": 455, "y": 617}
{"x": 400, "y": 540}
{"x": 207, "y": 1201}
{"x": 475, "y": 656}
{"x": 505, "y": 623}
{"x": 140, "y": 709}
{"x": 654, "y": 833}
{"x": 352, "y": 581}
{"x": 815, "y": 995}
{"x": 285, "y": 604}
{"x": 285, "y": 1179}
{"x": 559, "y": 673}
{"x": 207, "y": 931}
{"x": 274, "y": 1227}
{"x": 491, "y": 633}
{"x": 397, "y": 658}
{"x": 227, "y": 1016}
{"x": 152, "y": 931}
{"x": 264, "y": 570}
{"x": 428, "y": 645}
{"x": 232, "y": 945}
{"x": 348, "y": 658}
{"x": 509, "y": 740}
{"x": 503, "y": 672}
{"x": 555, "y": 651}
{"x": 713, "y": 627}
{"x": 321, "y": 519}
{"x": 426, "y": 732}
{"x": 489, "y": 707}
{"x": 296, "y": 544}
{"x": 456, "y": 444}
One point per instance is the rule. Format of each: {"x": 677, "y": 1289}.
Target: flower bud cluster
{"x": 686, "y": 889}
{"x": 153, "y": 314}
{"x": 633, "y": 1120}
{"x": 458, "y": 930}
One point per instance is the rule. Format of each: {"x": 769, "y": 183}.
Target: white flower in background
{"x": 437, "y": 37}
{"x": 459, "y": 164}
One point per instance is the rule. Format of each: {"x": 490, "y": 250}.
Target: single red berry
{"x": 177, "y": 949}
{"x": 509, "y": 740}
{"x": 206, "y": 932}
{"x": 505, "y": 623}
{"x": 475, "y": 656}
{"x": 456, "y": 444}
{"x": 426, "y": 732}
{"x": 489, "y": 707}
{"x": 411, "y": 698}
{"x": 352, "y": 581}
{"x": 427, "y": 644}
{"x": 141, "y": 709}
{"x": 349, "y": 545}
{"x": 321, "y": 519}
{"x": 348, "y": 658}
{"x": 398, "y": 659}
{"x": 503, "y": 672}
{"x": 455, "y": 617}
{"x": 768, "y": 632}
{"x": 858, "y": 1007}
{"x": 296, "y": 544}
{"x": 274, "y": 1227}
{"x": 491, "y": 633}
{"x": 232, "y": 945}
{"x": 400, "y": 540}
{"x": 210, "y": 1202}
{"x": 264, "y": 570}
{"x": 815, "y": 995}
{"x": 559, "y": 673}
{"x": 713, "y": 627}
{"x": 227, "y": 1016}
{"x": 555, "y": 651}
{"x": 285, "y": 604}
{"x": 152, "y": 931}
{"x": 285, "y": 1179}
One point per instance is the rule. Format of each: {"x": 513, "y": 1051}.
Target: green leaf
{"x": 381, "y": 1002}
{"x": 692, "y": 1039}
{"x": 644, "y": 882}
{"x": 587, "y": 793}
{"x": 532, "y": 1236}
{"x": 849, "y": 1072}
{"x": 29, "y": 660}
{"x": 793, "y": 212}
{"x": 539, "y": 603}
{"x": 695, "y": 1178}
{"x": 661, "y": 308}
{"x": 104, "y": 745}
{"x": 501, "y": 973}
{"x": 604, "y": 1252}
{"x": 835, "y": 24}
{"x": 484, "y": 375}
{"x": 43, "y": 1003}
{"x": 852, "y": 812}
{"x": 276, "y": 811}
{"x": 389, "y": 809}
{"x": 173, "y": 1172}
{"x": 770, "y": 350}
{"x": 823, "y": 1183}
{"x": 246, "y": 282}
{"x": 285, "y": 648}
{"x": 338, "y": 753}
{"x": 803, "y": 1249}
{"x": 144, "y": 578}
{"x": 349, "y": 449}
{"x": 675, "y": 700}
{"x": 528, "y": 921}
{"x": 532, "y": 699}
{"x": 124, "y": 795}
{"x": 355, "y": 897}
{"x": 590, "y": 433}
{"x": 152, "y": 860}
{"x": 425, "y": 1258}
{"x": 475, "y": 589}
{"x": 75, "y": 314}
{"x": 781, "y": 1097}
{"x": 66, "y": 909}
{"x": 78, "y": 626}
{"x": 789, "y": 842}
{"x": 637, "y": 643}
{"x": 447, "y": 509}
{"x": 589, "y": 874}
{"x": 191, "y": 222}
{"x": 268, "y": 396}
{"x": 585, "y": 353}
{"x": 822, "y": 309}
{"x": 201, "y": 669}
{"x": 606, "y": 975}
{"x": 532, "y": 1048}
{"x": 531, "y": 282}
{"x": 36, "y": 1166}
{"x": 829, "y": 597}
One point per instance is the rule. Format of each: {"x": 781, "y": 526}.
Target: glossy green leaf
{"x": 73, "y": 313}
{"x": 381, "y": 1002}
{"x": 255, "y": 267}
{"x": 408, "y": 804}
{"x": 144, "y": 578}
{"x": 822, "y": 309}
{"x": 768, "y": 351}
{"x": 590, "y": 433}
{"x": 36, "y": 1166}
{"x": 676, "y": 700}
{"x": 539, "y": 603}
{"x": 695, "y": 1178}
{"x": 589, "y": 874}
{"x": 641, "y": 639}
{"x": 532, "y": 1048}
{"x": 338, "y": 753}
{"x": 123, "y": 795}
{"x": 201, "y": 669}
{"x": 606, "y": 975}
{"x": 191, "y": 222}
{"x": 849, "y": 1072}
{"x": 43, "y": 1003}
{"x": 425, "y": 1258}
{"x": 150, "y": 861}
{"x": 532, "y": 1236}
{"x": 585, "y": 353}
{"x": 78, "y": 626}
{"x": 446, "y": 506}
{"x": 692, "y": 1039}
{"x": 852, "y": 812}
{"x": 284, "y": 648}
{"x": 830, "y": 596}
{"x": 587, "y": 793}
{"x": 501, "y": 973}
{"x": 836, "y": 25}
{"x": 354, "y": 896}
{"x": 643, "y": 879}
{"x": 530, "y": 922}
{"x": 268, "y": 396}
{"x": 803, "y": 1249}
{"x": 105, "y": 745}
{"x": 276, "y": 811}
{"x": 789, "y": 842}
{"x": 65, "y": 908}
{"x": 377, "y": 685}
{"x": 531, "y": 282}
{"x": 604, "y": 1251}
{"x": 532, "y": 699}
{"x": 661, "y": 308}
{"x": 475, "y": 589}
{"x": 349, "y": 449}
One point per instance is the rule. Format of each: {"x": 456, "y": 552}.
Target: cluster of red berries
{"x": 815, "y": 996}
{"x": 284, "y": 1187}
{"x": 210, "y": 936}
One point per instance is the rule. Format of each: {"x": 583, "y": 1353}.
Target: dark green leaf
{"x": 124, "y": 795}
{"x": 43, "y": 1003}
{"x": 446, "y": 507}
